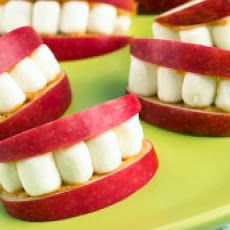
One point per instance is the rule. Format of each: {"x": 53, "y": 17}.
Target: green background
{"x": 192, "y": 187}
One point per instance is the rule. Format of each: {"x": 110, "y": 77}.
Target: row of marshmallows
{"x": 173, "y": 86}
{"x": 27, "y": 77}
{"x": 51, "y": 17}
{"x": 217, "y": 33}
{"x": 76, "y": 164}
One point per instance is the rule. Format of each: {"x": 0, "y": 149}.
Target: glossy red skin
{"x": 204, "y": 12}
{"x": 70, "y": 130}
{"x": 157, "y": 6}
{"x": 90, "y": 197}
{"x": 183, "y": 56}
{"x": 75, "y": 47}
{"x": 188, "y": 121}
{"x": 45, "y": 108}
{"x": 17, "y": 45}
{"x": 127, "y": 5}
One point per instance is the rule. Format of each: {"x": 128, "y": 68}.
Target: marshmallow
{"x": 221, "y": 34}
{"x": 74, "y": 163}
{"x": 169, "y": 83}
{"x": 39, "y": 175}
{"x": 164, "y": 32}
{"x": 11, "y": 96}
{"x": 28, "y": 76}
{"x": 1, "y": 17}
{"x": 105, "y": 152}
{"x": 9, "y": 177}
{"x": 223, "y": 95}
{"x": 74, "y": 17}
{"x": 16, "y": 14}
{"x": 46, "y": 62}
{"x": 142, "y": 78}
{"x": 198, "y": 90}
{"x": 199, "y": 35}
{"x": 122, "y": 25}
{"x": 46, "y": 16}
{"x": 102, "y": 19}
{"x": 130, "y": 137}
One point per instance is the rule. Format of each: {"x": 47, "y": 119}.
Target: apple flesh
{"x": 100, "y": 192}
{"x": 196, "y": 12}
{"x": 17, "y": 45}
{"x": 70, "y": 130}
{"x": 79, "y": 47}
{"x": 157, "y": 6}
{"x": 184, "y": 120}
{"x": 47, "y": 107}
{"x": 183, "y": 56}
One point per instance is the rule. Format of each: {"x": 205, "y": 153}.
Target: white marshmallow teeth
{"x": 169, "y": 83}
{"x": 46, "y": 62}
{"x": 164, "y": 32}
{"x": 16, "y": 14}
{"x": 223, "y": 95}
{"x": 9, "y": 177}
{"x": 199, "y": 90}
{"x": 74, "y": 163}
{"x": 28, "y": 76}
{"x": 46, "y": 16}
{"x": 39, "y": 175}
{"x": 74, "y": 17}
{"x": 102, "y": 19}
{"x": 199, "y": 35}
{"x": 11, "y": 96}
{"x": 221, "y": 34}
{"x": 122, "y": 25}
{"x": 130, "y": 137}
{"x": 105, "y": 152}
{"x": 142, "y": 78}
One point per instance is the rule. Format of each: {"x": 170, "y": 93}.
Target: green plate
{"x": 192, "y": 187}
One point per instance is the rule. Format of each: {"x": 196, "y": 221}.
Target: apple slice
{"x": 98, "y": 193}
{"x": 41, "y": 106}
{"x": 156, "y": 6}
{"x": 183, "y": 56}
{"x": 75, "y": 128}
{"x": 196, "y": 12}
{"x": 79, "y": 47}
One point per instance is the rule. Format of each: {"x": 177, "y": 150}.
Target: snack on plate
{"x": 77, "y": 164}
{"x": 205, "y": 22}
{"x": 33, "y": 89}
{"x": 157, "y": 6}
{"x": 73, "y": 29}
{"x": 182, "y": 87}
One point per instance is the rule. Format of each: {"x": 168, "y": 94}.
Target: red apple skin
{"x": 75, "y": 47}
{"x": 70, "y": 130}
{"x": 157, "y": 6}
{"x": 17, "y": 45}
{"x": 90, "y": 197}
{"x": 127, "y": 5}
{"x": 185, "y": 120}
{"x": 203, "y": 12}
{"x": 45, "y": 108}
{"x": 183, "y": 56}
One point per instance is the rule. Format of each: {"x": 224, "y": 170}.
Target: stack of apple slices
{"x": 205, "y": 22}
{"x": 191, "y": 83}
{"x": 33, "y": 89}
{"x": 77, "y": 164}
{"x": 106, "y": 22}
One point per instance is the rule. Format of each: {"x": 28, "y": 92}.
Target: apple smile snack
{"x": 33, "y": 89}
{"x": 77, "y": 164}
{"x": 73, "y": 29}
{"x": 205, "y": 22}
{"x": 156, "y": 6}
{"x": 182, "y": 87}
